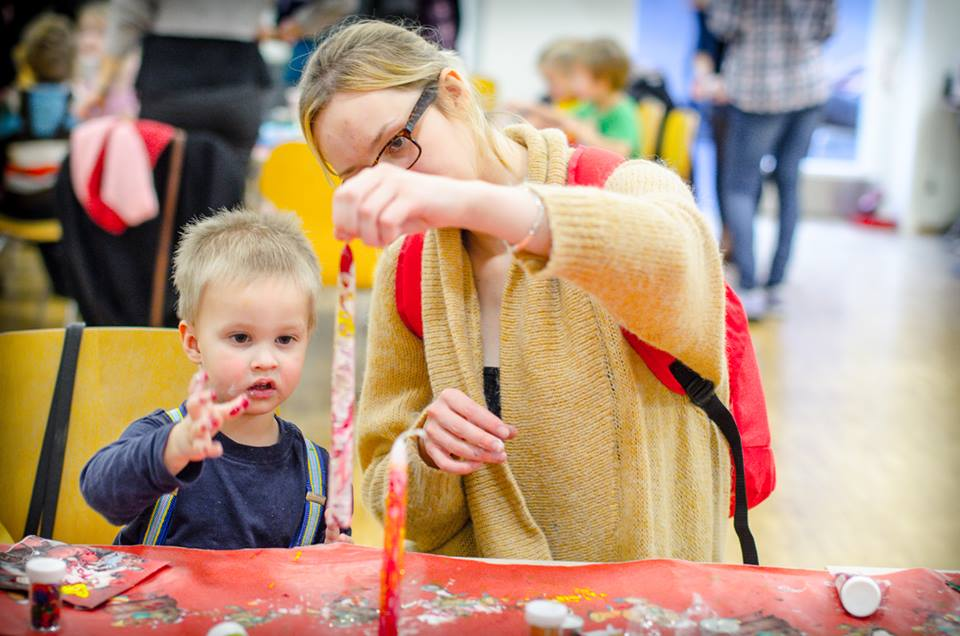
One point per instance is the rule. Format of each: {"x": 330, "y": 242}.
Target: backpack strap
{"x": 702, "y": 393}
{"x": 409, "y": 266}
{"x": 159, "y": 525}
{"x": 314, "y": 500}
{"x": 592, "y": 167}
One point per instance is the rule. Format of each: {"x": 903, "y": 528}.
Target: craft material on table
{"x": 334, "y": 589}
{"x": 394, "y": 534}
{"x": 343, "y": 394}
{"x": 93, "y": 574}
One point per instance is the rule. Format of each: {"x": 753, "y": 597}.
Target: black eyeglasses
{"x": 402, "y": 150}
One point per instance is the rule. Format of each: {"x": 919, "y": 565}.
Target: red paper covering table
{"x": 335, "y": 589}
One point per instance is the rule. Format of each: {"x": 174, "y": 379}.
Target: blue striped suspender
{"x": 162, "y": 510}
{"x": 313, "y": 505}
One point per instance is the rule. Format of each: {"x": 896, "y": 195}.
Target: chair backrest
{"x": 650, "y": 115}
{"x": 679, "y": 135}
{"x": 292, "y": 179}
{"x": 122, "y": 374}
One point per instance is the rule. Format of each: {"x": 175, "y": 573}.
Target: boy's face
{"x": 250, "y": 337}
{"x": 586, "y": 86}
{"x": 558, "y": 84}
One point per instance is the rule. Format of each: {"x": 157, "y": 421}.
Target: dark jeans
{"x": 749, "y": 137}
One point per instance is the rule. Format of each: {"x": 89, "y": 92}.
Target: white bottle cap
{"x": 545, "y": 614}
{"x": 860, "y": 596}
{"x": 45, "y": 570}
{"x": 228, "y": 628}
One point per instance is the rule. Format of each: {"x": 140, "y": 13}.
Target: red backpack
{"x": 746, "y": 429}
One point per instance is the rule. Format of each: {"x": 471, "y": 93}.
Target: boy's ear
{"x": 188, "y": 339}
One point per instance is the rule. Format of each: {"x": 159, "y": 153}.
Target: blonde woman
{"x": 546, "y": 436}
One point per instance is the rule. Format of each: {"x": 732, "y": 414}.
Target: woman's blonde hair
{"x": 243, "y": 245}
{"x": 368, "y": 55}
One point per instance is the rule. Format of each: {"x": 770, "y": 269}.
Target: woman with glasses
{"x": 546, "y": 435}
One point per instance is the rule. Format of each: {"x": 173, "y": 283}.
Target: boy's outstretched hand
{"x": 191, "y": 439}
{"x": 333, "y": 533}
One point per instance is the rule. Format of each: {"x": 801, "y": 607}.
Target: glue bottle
{"x": 45, "y": 576}
{"x": 545, "y": 618}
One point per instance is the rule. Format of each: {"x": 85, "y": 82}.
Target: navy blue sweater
{"x": 250, "y": 497}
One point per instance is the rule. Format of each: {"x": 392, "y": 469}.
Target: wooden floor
{"x": 862, "y": 377}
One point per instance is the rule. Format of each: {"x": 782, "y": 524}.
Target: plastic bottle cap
{"x": 46, "y": 570}
{"x": 546, "y": 614}
{"x": 228, "y": 628}
{"x": 860, "y": 596}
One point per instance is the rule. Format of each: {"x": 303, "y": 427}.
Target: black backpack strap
{"x": 46, "y": 486}
{"x": 701, "y": 392}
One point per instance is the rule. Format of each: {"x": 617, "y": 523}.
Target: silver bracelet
{"x": 535, "y": 227}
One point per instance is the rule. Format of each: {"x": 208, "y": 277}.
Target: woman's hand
{"x": 384, "y": 202}
{"x": 462, "y": 436}
{"x": 332, "y": 533}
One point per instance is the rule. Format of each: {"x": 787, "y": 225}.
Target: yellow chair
{"x": 679, "y": 135}
{"x": 650, "y": 117}
{"x": 43, "y": 231}
{"x": 122, "y": 374}
{"x": 486, "y": 88}
{"x": 292, "y": 179}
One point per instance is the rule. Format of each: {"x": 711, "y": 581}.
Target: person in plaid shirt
{"x": 774, "y": 79}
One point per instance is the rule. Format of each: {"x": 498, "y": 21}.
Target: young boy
{"x": 606, "y": 116}
{"x": 248, "y": 286}
{"x": 599, "y": 80}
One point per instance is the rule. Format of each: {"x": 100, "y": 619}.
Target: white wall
{"x": 908, "y": 142}
{"x": 502, "y": 38}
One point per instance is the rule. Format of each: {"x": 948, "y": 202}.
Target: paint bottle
{"x": 45, "y": 576}
{"x": 859, "y": 595}
{"x": 545, "y": 618}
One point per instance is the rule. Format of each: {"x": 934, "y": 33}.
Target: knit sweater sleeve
{"x": 396, "y": 391}
{"x": 641, "y": 247}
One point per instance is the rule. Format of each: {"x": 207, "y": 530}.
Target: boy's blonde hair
{"x": 49, "y": 47}
{"x": 242, "y": 245}
{"x": 368, "y": 55}
{"x": 607, "y": 60}
{"x": 561, "y": 54}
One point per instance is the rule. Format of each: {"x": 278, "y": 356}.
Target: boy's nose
{"x": 264, "y": 359}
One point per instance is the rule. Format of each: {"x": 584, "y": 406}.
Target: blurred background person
{"x": 35, "y": 123}
{"x": 200, "y": 66}
{"x": 775, "y": 82}
{"x": 556, "y": 65}
{"x": 606, "y": 116}
{"x": 121, "y": 98}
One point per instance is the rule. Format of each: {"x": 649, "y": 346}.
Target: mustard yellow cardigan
{"x": 608, "y": 465}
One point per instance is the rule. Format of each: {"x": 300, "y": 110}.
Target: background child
{"x": 556, "y": 64}
{"x": 248, "y": 285}
{"x": 606, "y": 116}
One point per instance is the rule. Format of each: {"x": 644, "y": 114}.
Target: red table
{"x": 335, "y": 589}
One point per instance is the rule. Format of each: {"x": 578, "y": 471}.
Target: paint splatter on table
{"x": 335, "y": 589}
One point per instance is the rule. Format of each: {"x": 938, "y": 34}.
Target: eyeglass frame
{"x": 427, "y": 97}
